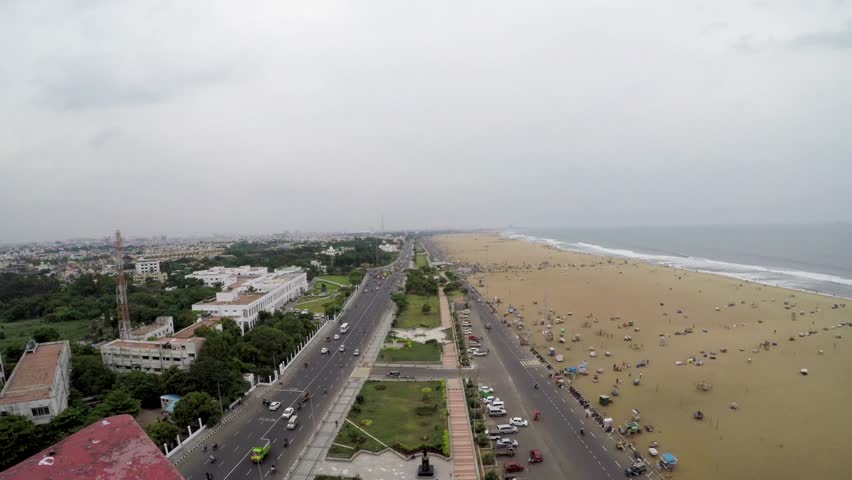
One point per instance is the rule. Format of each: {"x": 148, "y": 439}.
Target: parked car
{"x": 637, "y": 468}
{"x": 486, "y": 389}
{"x": 514, "y": 468}
{"x": 492, "y": 435}
{"x": 519, "y": 422}
{"x": 288, "y": 412}
{"x": 324, "y": 350}
{"x": 393, "y": 373}
{"x": 498, "y": 403}
{"x": 274, "y": 406}
{"x": 508, "y": 442}
{"x": 479, "y": 353}
{"x": 489, "y": 399}
{"x": 337, "y": 336}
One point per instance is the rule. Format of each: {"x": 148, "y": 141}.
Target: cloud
{"x": 833, "y": 39}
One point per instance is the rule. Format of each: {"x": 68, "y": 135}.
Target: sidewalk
{"x": 461, "y": 439}
{"x": 450, "y": 356}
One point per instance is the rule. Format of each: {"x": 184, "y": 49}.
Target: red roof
{"x": 115, "y": 448}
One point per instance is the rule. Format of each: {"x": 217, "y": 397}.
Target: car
{"x": 356, "y": 353}
{"x": 473, "y": 338}
{"x": 288, "y": 412}
{"x": 274, "y": 406}
{"x": 486, "y": 389}
{"x": 489, "y": 399}
{"x": 393, "y": 373}
{"x": 324, "y": 350}
{"x": 514, "y": 467}
{"x": 498, "y": 403}
{"x": 637, "y": 468}
{"x": 508, "y": 442}
{"x": 342, "y": 348}
{"x": 536, "y": 456}
{"x": 492, "y": 435}
{"x": 336, "y": 336}
{"x": 479, "y": 353}
{"x": 519, "y": 422}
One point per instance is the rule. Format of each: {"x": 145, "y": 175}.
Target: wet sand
{"x": 786, "y": 425}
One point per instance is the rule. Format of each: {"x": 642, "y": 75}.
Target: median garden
{"x": 404, "y": 416}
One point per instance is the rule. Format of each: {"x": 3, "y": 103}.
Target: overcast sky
{"x": 200, "y": 117}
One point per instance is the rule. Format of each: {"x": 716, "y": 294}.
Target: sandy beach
{"x": 747, "y": 345}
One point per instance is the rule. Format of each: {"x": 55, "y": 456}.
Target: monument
{"x": 425, "y": 469}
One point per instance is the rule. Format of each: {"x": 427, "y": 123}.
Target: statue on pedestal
{"x": 425, "y": 469}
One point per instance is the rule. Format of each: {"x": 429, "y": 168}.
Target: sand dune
{"x": 786, "y": 425}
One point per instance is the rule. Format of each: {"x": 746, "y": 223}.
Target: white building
{"x": 162, "y": 327}
{"x": 227, "y": 276}
{"x": 388, "y": 247}
{"x": 155, "y": 356}
{"x": 318, "y": 265}
{"x": 38, "y": 387}
{"x": 148, "y": 269}
{"x": 245, "y": 297}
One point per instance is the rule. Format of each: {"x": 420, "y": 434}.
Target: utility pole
{"x": 121, "y": 291}
{"x": 221, "y": 407}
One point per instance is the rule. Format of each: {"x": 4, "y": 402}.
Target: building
{"x": 388, "y": 248}
{"x": 154, "y": 356}
{"x": 161, "y": 328}
{"x": 245, "y": 295}
{"x": 146, "y": 269}
{"x": 210, "y": 322}
{"x": 114, "y": 448}
{"x": 226, "y": 276}
{"x": 168, "y": 402}
{"x": 319, "y": 266}
{"x": 38, "y": 387}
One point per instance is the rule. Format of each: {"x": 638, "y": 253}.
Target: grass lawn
{"x": 317, "y": 290}
{"x": 406, "y": 416}
{"x": 412, "y": 317}
{"x": 341, "y": 279}
{"x": 317, "y": 306}
{"x": 17, "y": 333}
{"x": 417, "y": 352}
{"x": 420, "y": 260}
{"x": 345, "y": 437}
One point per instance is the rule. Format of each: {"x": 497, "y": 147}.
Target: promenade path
{"x": 450, "y": 355}
{"x": 461, "y": 439}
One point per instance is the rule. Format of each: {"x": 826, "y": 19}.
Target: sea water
{"x": 814, "y": 258}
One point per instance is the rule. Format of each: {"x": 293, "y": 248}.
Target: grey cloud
{"x": 834, "y": 39}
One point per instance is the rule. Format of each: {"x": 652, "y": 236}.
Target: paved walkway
{"x": 450, "y": 356}
{"x": 384, "y": 466}
{"x": 461, "y": 439}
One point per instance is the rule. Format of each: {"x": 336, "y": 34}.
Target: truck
{"x": 259, "y": 453}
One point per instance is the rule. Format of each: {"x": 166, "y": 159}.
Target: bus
{"x": 344, "y": 328}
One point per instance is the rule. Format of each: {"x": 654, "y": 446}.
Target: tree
{"x": 69, "y": 421}
{"x": 492, "y": 475}
{"x": 89, "y": 375}
{"x": 145, "y": 387}
{"x": 45, "y": 334}
{"x": 426, "y": 308}
{"x": 332, "y": 309}
{"x": 18, "y": 440}
{"x": 176, "y": 381}
{"x": 163, "y": 433}
{"x": 118, "y": 402}
{"x": 195, "y": 405}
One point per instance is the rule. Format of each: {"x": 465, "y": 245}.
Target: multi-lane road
{"x": 323, "y": 377}
{"x": 513, "y": 371}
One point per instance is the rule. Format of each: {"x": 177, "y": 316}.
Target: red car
{"x": 514, "y": 468}
{"x": 536, "y": 456}
{"x": 473, "y": 337}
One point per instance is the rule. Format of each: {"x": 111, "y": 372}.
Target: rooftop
{"x": 33, "y": 376}
{"x": 243, "y": 299}
{"x": 189, "y": 331}
{"x": 153, "y": 344}
{"x": 115, "y": 448}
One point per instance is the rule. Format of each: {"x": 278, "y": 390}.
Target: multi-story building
{"x": 246, "y": 294}
{"x": 38, "y": 387}
{"x": 146, "y": 269}
{"x": 162, "y": 327}
{"x": 154, "y": 356}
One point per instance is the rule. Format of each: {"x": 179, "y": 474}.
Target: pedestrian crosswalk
{"x": 531, "y": 362}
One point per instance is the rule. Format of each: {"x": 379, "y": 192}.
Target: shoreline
{"x": 559, "y": 245}
{"x": 704, "y": 341}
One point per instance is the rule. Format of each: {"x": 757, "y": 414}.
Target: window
{"x": 40, "y": 411}
{"x": 144, "y": 357}
{"x": 191, "y": 355}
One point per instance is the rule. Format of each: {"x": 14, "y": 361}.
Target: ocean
{"x": 814, "y": 258}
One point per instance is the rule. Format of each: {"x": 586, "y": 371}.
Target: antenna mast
{"x": 121, "y": 291}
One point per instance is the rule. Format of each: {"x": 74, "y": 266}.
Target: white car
{"x": 480, "y": 353}
{"x": 324, "y": 350}
{"x": 497, "y": 403}
{"x": 288, "y": 412}
{"x": 493, "y": 435}
{"x": 274, "y": 406}
{"x": 342, "y": 348}
{"x": 519, "y": 422}
{"x": 486, "y": 389}
{"x": 508, "y": 442}
{"x": 357, "y": 352}
{"x": 336, "y": 336}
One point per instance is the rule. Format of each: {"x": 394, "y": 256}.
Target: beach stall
{"x": 583, "y": 368}
{"x": 604, "y": 400}
{"x": 668, "y": 462}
